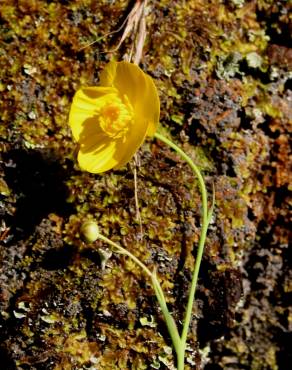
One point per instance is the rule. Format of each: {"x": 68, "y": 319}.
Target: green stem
{"x": 179, "y": 342}
{"x": 205, "y": 222}
{"x": 170, "y": 323}
{"x": 127, "y": 253}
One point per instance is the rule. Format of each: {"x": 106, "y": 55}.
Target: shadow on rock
{"x": 38, "y": 182}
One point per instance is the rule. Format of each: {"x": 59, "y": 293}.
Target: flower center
{"x": 116, "y": 117}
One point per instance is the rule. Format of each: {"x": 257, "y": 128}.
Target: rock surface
{"x": 223, "y": 70}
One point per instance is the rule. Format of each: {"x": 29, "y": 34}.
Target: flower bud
{"x": 89, "y": 231}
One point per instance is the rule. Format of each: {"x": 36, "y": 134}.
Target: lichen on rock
{"x": 60, "y": 307}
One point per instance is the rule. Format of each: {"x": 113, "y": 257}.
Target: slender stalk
{"x": 178, "y": 341}
{"x": 127, "y": 253}
{"x": 170, "y": 323}
{"x": 205, "y": 222}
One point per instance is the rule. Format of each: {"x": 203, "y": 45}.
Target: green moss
{"x": 195, "y": 51}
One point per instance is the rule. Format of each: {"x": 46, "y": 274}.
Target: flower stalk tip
{"x": 89, "y": 231}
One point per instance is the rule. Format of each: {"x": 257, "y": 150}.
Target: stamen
{"x": 116, "y": 117}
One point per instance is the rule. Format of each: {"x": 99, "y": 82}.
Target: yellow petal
{"x": 142, "y": 93}
{"x": 98, "y": 151}
{"x": 97, "y": 157}
{"x": 140, "y": 89}
{"x": 108, "y": 74}
{"x": 152, "y": 99}
{"x": 84, "y": 106}
{"x": 132, "y": 143}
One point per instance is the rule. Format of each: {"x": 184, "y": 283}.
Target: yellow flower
{"x": 111, "y": 121}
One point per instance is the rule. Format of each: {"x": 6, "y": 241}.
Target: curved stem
{"x": 205, "y": 222}
{"x": 170, "y": 323}
{"x": 179, "y": 342}
{"x": 127, "y": 253}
